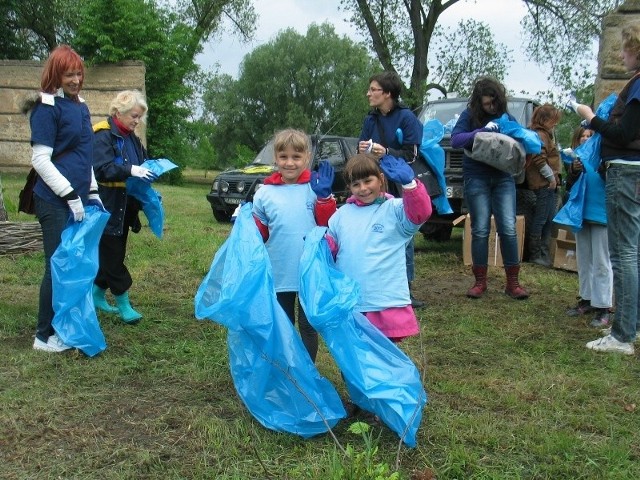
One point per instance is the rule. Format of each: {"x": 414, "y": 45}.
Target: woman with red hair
{"x": 62, "y": 143}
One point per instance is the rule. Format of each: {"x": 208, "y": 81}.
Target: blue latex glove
{"x": 396, "y": 170}
{"x": 492, "y": 127}
{"x": 322, "y": 180}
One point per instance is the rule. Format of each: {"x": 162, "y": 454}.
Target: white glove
{"x": 492, "y": 127}
{"x": 571, "y": 103}
{"x": 370, "y": 147}
{"x": 95, "y": 199}
{"x": 143, "y": 173}
{"x": 77, "y": 209}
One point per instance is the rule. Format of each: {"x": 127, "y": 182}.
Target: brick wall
{"x": 20, "y": 79}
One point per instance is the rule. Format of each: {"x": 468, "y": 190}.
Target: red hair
{"x": 62, "y": 59}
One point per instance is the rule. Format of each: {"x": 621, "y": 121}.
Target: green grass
{"x": 513, "y": 393}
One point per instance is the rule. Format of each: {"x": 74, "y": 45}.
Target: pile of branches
{"x": 20, "y": 237}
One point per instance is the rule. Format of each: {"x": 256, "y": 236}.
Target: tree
{"x": 172, "y": 39}
{"x": 32, "y": 28}
{"x": 459, "y": 56}
{"x": 400, "y": 34}
{"x": 315, "y": 82}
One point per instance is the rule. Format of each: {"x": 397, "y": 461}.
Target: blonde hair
{"x": 631, "y": 39}
{"x": 126, "y": 100}
{"x": 290, "y": 137}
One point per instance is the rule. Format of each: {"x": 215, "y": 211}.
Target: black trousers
{"x": 113, "y": 274}
{"x": 288, "y": 301}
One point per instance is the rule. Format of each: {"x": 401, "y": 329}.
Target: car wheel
{"x": 221, "y": 216}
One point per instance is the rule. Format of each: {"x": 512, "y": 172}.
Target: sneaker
{"x": 601, "y": 318}
{"x": 55, "y": 342}
{"x": 610, "y": 344}
{"x": 582, "y": 307}
{"x": 53, "y": 345}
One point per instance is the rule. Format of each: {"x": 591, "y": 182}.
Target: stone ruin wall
{"x": 19, "y": 79}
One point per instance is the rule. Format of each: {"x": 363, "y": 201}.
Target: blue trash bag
{"x": 529, "y": 138}
{"x": 150, "y": 199}
{"x": 572, "y": 212}
{"x": 74, "y": 266}
{"x": 433, "y": 154}
{"x": 271, "y": 369}
{"x": 380, "y": 377}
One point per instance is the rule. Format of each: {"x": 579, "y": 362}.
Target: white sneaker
{"x": 53, "y": 345}
{"x": 610, "y": 344}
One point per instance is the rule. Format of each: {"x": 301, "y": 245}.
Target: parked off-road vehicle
{"x": 447, "y": 110}
{"x": 234, "y": 186}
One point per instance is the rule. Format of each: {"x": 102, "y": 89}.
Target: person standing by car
{"x": 543, "y": 178}
{"x": 620, "y": 153}
{"x": 61, "y": 139}
{"x": 488, "y": 190}
{"x": 379, "y": 137}
{"x": 117, "y": 155}
{"x": 292, "y": 201}
{"x": 595, "y": 277}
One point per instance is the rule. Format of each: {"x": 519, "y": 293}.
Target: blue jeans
{"x": 623, "y": 222}
{"x": 53, "y": 219}
{"x": 487, "y": 195}
{"x": 543, "y": 213}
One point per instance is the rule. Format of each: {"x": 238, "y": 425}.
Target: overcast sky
{"x": 503, "y": 16}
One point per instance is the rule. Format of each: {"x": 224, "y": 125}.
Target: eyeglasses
{"x": 372, "y": 89}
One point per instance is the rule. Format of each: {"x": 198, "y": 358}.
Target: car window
{"x": 331, "y": 150}
{"x": 446, "y": 111}
{"x": 265, "y": 156}
{"x": 442, "y": 111}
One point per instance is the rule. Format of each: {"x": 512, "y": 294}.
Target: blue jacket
{"x": 113, "y": 156}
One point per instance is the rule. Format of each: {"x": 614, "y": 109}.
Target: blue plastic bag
{"x": 529, "y": 138}
{"x": 271, "y": 369}
{"x": 380, "y": 377}
{"x": 149, "y": 198}
{"x": 572, "y": 212}
{"x": 74, "y": 265}
{"x": 433, "y": 154}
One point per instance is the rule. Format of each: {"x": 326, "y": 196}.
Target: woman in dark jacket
{"x": 620, "y": 153}
{"x": 379, "y": 137}
{"x": 117, "y": 155}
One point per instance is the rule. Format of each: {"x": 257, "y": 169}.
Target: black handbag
{"x": 423, "y": 172}
{"x": 25, "y": 197}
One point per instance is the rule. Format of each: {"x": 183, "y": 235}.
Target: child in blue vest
{"x": 368, "y": 237}
{"x": 292, "y": 201}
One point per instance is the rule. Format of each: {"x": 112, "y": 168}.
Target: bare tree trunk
{"x": 3, "y": 211}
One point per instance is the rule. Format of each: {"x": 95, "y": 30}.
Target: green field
{"x": 513, "y": 393}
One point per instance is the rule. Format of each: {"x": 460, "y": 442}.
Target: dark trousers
{"x": 53, "y": 219}
{"x": 288, "y": 302}
{"x": 113, "y": 273}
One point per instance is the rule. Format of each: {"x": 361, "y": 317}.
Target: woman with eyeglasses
{"x": 487, "y": 190}
{"x": 380, "y": 136}
{"x": 117, "y": 155}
